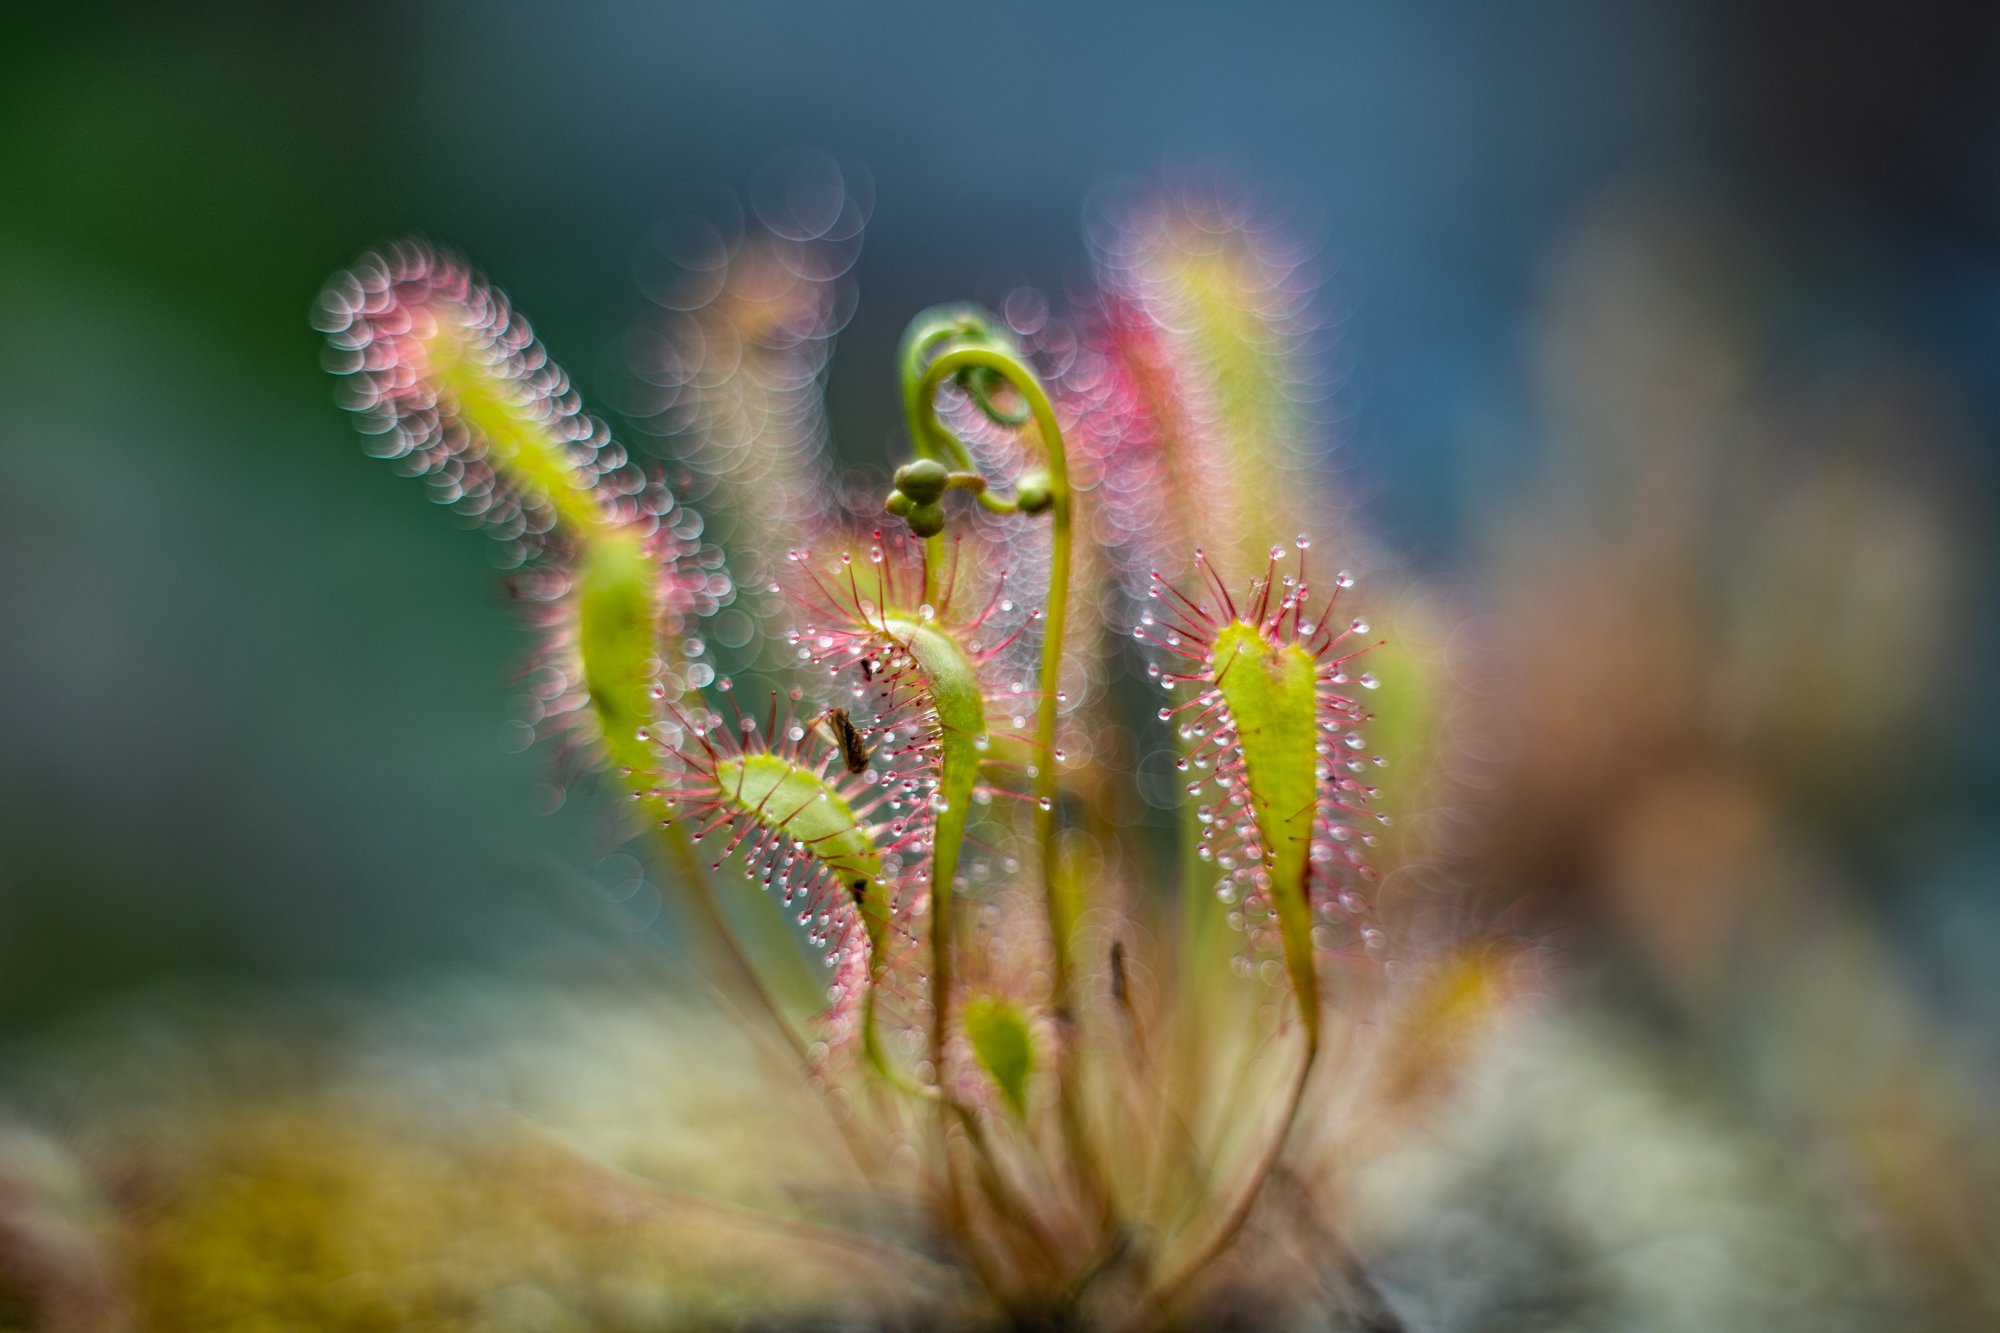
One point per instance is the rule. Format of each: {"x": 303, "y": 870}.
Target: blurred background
{"x": 1665, "y": 345}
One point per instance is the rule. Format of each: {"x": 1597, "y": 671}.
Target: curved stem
{"x": 696, "y": 876}
{"x": 948, "y": 364}
{"x": 1171, "y": 1289}
{"x": 944, "y": 864}
{"x": 1004, "y": 1198}
{"x": 925, "y": 332}
{"x": 968, "y": 345}
{"x": 638, "y": 1191}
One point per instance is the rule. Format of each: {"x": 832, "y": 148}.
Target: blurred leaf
{"x": 998, "y": 1031}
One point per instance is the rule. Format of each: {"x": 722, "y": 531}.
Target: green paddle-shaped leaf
{"x": 1271, "y": 694}
{"x": 798, "y": 803}
{"x": 998, "y": 1031}
{"x": 617, "y": 636}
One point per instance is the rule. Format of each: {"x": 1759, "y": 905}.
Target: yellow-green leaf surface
{"x": 1271, "y": 694}
{"x": 955, "y": 694}
{"x": 617, "y": 635}
{"x": 518, "y": 441}
{"x": 1248, "y": 372}
{"x": 998, "y": 1031}
{"x": 798, "y": 803}
{"x": 953, "y": 687}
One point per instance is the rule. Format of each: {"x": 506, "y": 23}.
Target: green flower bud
{"x": 897, "y": 504}
{"x": 923, "y": 480}
{"x": 925, "y": 520}
{"x": 1033, "y": 493}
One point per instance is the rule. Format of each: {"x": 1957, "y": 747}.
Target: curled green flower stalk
{"x": 963, "y": 346}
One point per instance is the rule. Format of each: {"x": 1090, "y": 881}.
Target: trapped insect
{"x": 854, "y": 751}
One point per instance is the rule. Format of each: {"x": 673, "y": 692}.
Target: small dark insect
{"x": 1118, "y": 971}
{"x": 854, "y": 751}
{"x": 861, "y": 893}
{"x": 868, "y": 670}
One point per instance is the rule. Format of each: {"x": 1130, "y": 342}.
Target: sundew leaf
{"x": 959, "y": 702}
{"x": 1270, "y": 690}
{"x": 618, "y": 631}
{"x": 955, "y": 695}
{"x": 793, "y": 800}
{"x": 439, "y": 364}
{"x": 516, "y": 434}
{"x": 888, "y": 620}
{"x": 998, "y": 1031}
{"x": 1250, "y": 374}
{"x": 449, "y": 375}
{"x": 1207, "y": 327}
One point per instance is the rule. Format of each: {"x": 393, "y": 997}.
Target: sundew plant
{"x": 1051, "y": 755}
